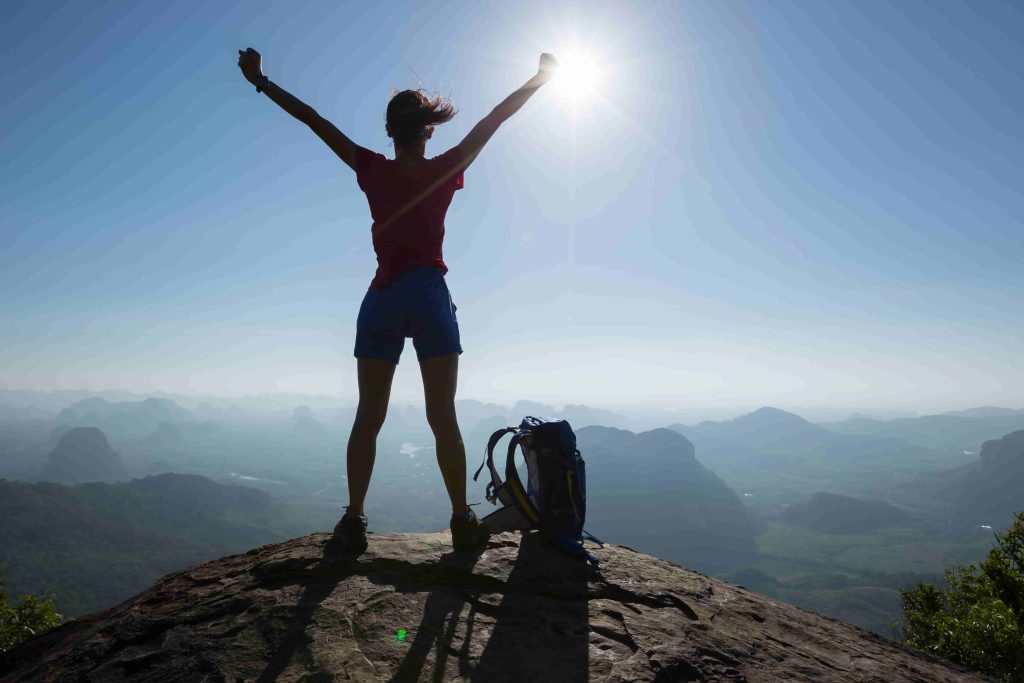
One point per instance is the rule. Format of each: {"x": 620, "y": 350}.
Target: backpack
{"x": 554, "y": 500}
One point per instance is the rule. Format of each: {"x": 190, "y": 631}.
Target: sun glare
{"x": 579, "y": 74}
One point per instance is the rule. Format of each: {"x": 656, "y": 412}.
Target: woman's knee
{"x": 370, "y": 418}
{"x": 442, "y": 420}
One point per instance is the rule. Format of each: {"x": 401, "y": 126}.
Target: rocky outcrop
{"x": 993, "y": 491}
{"x": 1003, "y": 457}
{"x": 82, "y": 454}
{"x": 410, "y": 609}
{"x": 661, "y": 500}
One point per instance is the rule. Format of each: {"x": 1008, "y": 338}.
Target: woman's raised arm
{"x": 482, "y": 131}
{"x": 250, "y": 62}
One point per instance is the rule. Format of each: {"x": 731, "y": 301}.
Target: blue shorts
{"x": 415, "y": 304}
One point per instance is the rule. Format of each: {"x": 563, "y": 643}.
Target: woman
{"x": 408, "y": 296}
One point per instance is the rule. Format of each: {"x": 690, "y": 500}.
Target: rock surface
{"x": 517, "y": 611}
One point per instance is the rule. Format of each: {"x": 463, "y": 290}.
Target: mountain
{"x": 476, "y": 439}
{"x": 124, "y": 420}
{"x": 410, "y": 609}
{"x": 166, "y": 436}
{"x": 649, "y": 491}
{"x": 993, "y": 489}
{"x": 82, "y": 454}
{"x": 952, "y": 432}
{"x": 774, "y": 456}
{"x": 579, "y": 415}
{"x": 768, "y": 425}
{"x": 306, "y": 427}
{"x": 986, "y": 491}
{"x": 96, "y": 544}
{"x": 985, "y": 411}
{"x": 829, "y": 513}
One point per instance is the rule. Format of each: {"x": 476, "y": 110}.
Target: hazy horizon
{"x": 640, "y": 415}
{"x": 806, "y": 206}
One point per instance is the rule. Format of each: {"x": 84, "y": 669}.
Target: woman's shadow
{"x": 537, "y": 632}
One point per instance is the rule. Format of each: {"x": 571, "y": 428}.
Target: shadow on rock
{"x": 532, "y": 626}
{"x": 319, "y": 581}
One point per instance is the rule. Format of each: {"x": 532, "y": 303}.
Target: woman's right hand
{"x": 251, "y": 64}
{"x": 548, "y": 66}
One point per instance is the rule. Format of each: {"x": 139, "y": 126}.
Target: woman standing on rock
{"x": 408, "y": 297}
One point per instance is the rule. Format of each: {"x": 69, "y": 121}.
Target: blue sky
{"x": 783, "y": 203}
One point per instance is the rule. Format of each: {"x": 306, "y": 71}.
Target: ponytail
{"x": 410, "y": 112}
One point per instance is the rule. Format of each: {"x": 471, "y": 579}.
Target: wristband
{"x": 261, "y": 83}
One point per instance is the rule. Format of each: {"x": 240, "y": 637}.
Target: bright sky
{"x": 789, "y": 203}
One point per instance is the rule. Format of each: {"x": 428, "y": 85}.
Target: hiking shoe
{"x": 350, "y": 532}
{"x": 468, "y": 532}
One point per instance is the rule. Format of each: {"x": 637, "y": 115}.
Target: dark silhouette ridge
{"x": 656, "y": 496}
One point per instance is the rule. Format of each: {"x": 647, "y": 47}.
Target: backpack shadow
{"x": 538, "y": 622}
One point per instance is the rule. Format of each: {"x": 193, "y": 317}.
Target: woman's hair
{"x": 411, "y": 111}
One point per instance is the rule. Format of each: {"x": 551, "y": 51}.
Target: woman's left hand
{"x": 250, "y": 62}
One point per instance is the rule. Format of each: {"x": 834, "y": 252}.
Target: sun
{"x": 578, "y": 76}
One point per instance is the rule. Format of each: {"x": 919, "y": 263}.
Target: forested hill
{"x": 94, "y": 545}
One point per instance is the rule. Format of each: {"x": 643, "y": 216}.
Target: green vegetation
{"x": 977, "y": 617}
{"x": 95, "y": 545}
{"x": 30, "y": 617}
{"x": 854, "y": 577}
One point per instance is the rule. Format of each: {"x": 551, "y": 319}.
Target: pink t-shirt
{"x": 408, "y": 206}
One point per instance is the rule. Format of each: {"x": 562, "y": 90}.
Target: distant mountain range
{"x": 986, "y": 411}
{"x": 127, "y": 420}
{"x": 953, "y": 432}
{"x": 776, "y": 456}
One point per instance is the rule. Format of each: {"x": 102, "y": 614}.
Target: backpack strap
{"x": 494, "y": 487}
{"x": 514, "y": 485}
{"x": 572, "y": 547}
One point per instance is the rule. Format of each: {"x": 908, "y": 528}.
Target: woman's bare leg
{"x": 440, "y": 376}
{"x": 375, "y": 377}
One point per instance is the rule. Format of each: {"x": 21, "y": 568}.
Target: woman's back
{"x": 408, "y": 203}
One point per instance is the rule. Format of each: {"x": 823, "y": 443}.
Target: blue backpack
{"x": 554, "y": 500}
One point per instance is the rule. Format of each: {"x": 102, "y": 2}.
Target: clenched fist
{"x": 250, "y": 62}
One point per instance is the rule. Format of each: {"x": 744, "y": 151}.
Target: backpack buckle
{"x": 492, "y": 491}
